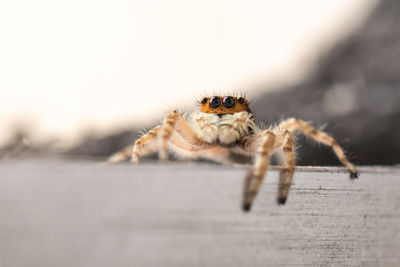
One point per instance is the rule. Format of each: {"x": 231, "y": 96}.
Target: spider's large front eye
{"x": 215, "y": 102}
{"x": 229, "y": 102}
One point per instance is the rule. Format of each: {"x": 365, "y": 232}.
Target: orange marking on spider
{"x": 222, "y": 105}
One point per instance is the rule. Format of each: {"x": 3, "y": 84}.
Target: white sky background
{"x": 68, "y": 66}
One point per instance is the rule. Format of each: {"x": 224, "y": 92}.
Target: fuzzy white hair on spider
{"x": 223, "y": 126}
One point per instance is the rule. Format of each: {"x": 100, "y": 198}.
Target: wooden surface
{"x": 184, "y": 214}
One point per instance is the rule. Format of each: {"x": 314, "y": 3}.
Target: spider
{"x": 225, "y": 126}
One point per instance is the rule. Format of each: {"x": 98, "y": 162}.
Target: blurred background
{"x": 80, "y": 78}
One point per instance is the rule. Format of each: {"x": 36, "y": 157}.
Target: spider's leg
{"x": 174, "y": 130}
{"x": 286, "y": 174}
{"x": 183, "y": 128}
{"x": 175, "y": 122}
{"x": 121, "y": 155}
{"x": 167, "y": 128}
{"x": 212, "y": 152}
{"x": 177, "y": 136}
{"x": 145, "y": 144}
{"x": 148, "y": 143}
{"x": 255, "y": 175}
{"x": 321, "y": 137}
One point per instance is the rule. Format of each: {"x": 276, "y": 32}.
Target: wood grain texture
{"x": 89, "y": 214}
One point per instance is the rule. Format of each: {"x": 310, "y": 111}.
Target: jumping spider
{"x": 225, "y": 126}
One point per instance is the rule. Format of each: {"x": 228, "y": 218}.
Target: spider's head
{"x": 222, "y": 105}
{"x": 223, "y": 120}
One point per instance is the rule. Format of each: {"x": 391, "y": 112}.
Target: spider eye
{"x": 229, "y": 102}
{"x": 204, "y": 100}
{"x": 241, "y": 100}
{"x": 215, "y": 102}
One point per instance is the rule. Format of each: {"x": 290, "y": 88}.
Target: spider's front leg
{"x": 177, "y": 135}
{"x": 176, "y": 130}
{"x": 286, "y": 174}
{"x": 256, "y": 175}
{"x": 293, "y": 124}
{"x": 157, "y": 138}
{"x": 146, "y": 144}
{"x": 167, "y": 128}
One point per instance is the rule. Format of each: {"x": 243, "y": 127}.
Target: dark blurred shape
{"x": 354, "y": 91}
{"x": 104, "y": 147}
{"x": 20, "y": 145}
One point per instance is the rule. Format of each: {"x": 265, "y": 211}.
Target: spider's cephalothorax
{"x": 223, "y": 120}
{"x": 225, "y": 126}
